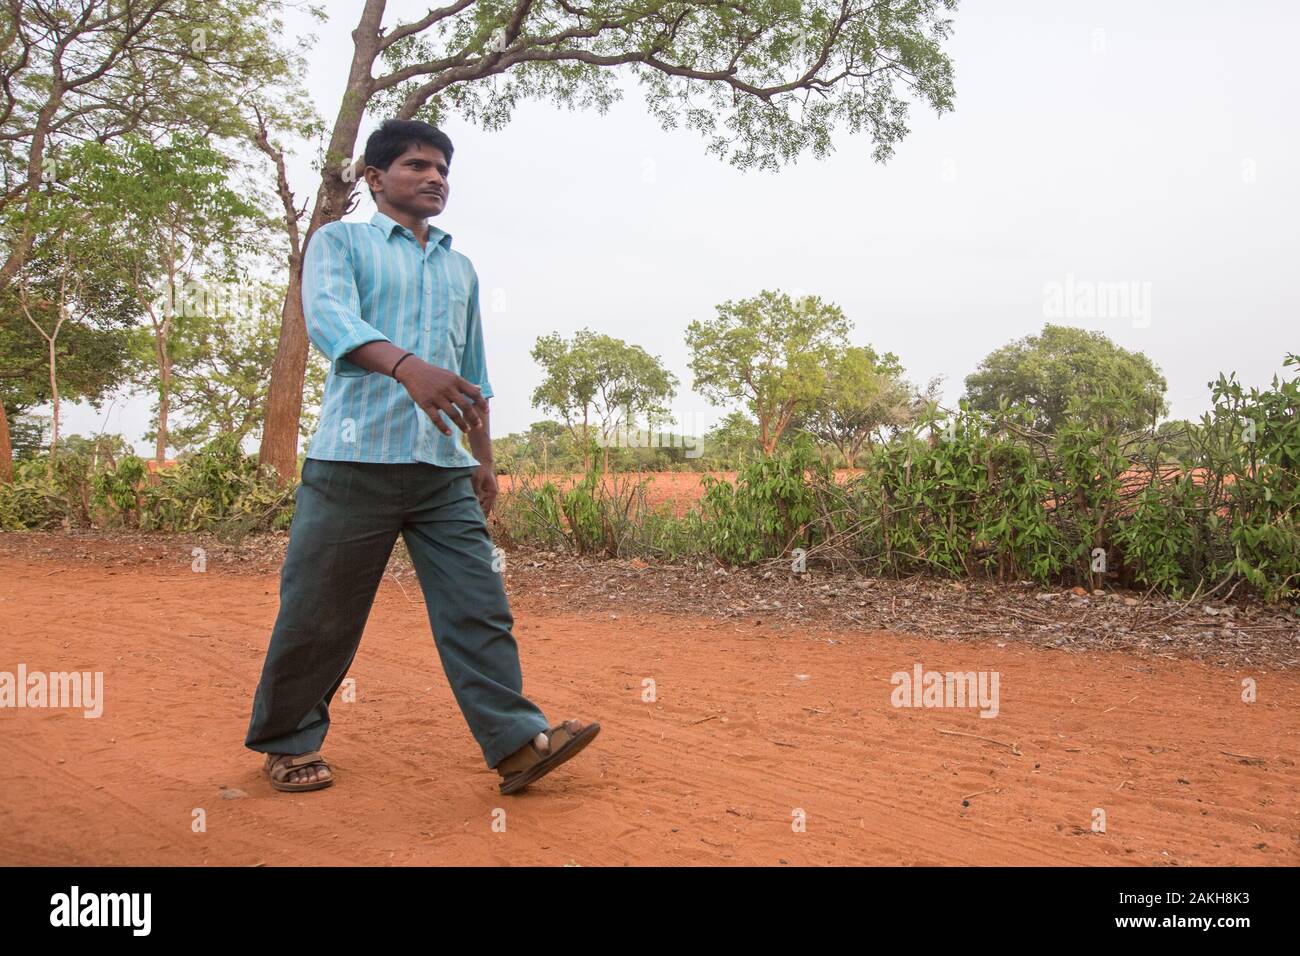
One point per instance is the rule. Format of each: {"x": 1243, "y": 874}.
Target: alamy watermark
{"x": 77, "y": 689}
{"x": 922, "y": 688}
{"x": 211, "y": 299}
{"x": 626, "y": 434}
{"x": 76, "y": 908}
{"x": 1084, "y": 299}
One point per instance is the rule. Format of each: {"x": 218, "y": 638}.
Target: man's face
{"x": 414, "y": 183}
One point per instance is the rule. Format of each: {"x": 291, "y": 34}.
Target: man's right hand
{"x": 434, "y": 389}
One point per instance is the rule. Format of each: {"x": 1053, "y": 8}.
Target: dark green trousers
{"x": 346, "y": 521}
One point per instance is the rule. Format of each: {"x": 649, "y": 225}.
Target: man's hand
{"x": 433, "y": 388}
{"x": 484, "y": 480}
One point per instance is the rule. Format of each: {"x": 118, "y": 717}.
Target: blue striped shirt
{"x": 371, "y": 282}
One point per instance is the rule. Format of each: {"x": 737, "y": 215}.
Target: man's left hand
{"x": 484, "y": 480}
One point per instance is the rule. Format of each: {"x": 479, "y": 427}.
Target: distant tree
{"x": 93, "y": 358}
{"x": 600, "y": 381}
{"x": 769, "y": 352}
{"x": 732, "y": 441}
{"x": 1174, "y": 440}
{"x": 220, "y": 366}
{"x": 1044, "y": 372}
{"x": 70, "y": 285}
{"x": 865, "y": 393}
{"x": 547, "y": 445}
{"x": 29, "y": 435}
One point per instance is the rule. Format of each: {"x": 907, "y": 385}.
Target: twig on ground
{"x": 1001, "y": 743}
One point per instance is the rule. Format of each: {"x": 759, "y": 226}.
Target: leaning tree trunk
{"x": 284, "y": 399}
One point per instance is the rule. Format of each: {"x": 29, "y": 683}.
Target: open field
{"x": 677, "y": 490}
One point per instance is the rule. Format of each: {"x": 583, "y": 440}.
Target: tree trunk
{"x": 6, "y": 449}
{"x": 164, "y": 396}
{"x": 284, "y": 398}
{"x": 54, "y": 417}
{"x": 586, "y": 443}
{"x": 22, "y": 246}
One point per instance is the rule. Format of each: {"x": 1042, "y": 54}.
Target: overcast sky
{"x": 1144, "y": 144}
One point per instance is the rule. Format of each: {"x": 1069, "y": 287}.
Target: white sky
{"x": 1130, "y": 143}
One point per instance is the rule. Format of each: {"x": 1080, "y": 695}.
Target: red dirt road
{"x": 713, "y": 772}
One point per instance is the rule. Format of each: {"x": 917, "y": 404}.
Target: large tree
{"x": 182, "y": 227}
{"x": 1044, "y": 372}
{"x": 75, "y": 71}
{"x": 761, "y": 82}
{"x": 770, "y": 352}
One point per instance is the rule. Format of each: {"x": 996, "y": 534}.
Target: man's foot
{"x": 544, "y": 753}
{"x": 306, "y": 771}
{"x": 310, "y": 774}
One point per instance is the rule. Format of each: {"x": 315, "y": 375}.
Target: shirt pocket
{"x": 457, "y": 316}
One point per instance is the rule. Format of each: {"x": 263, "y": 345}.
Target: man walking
{"x": 397, "y": 313}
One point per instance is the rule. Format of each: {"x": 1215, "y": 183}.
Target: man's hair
{"x": 394, "y": 137}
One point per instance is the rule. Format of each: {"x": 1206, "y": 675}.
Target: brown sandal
{"x": 279, "y": 767}
{"x": 563, "y": 741}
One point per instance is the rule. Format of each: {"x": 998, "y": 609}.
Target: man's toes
{"x": 322, "y": 773}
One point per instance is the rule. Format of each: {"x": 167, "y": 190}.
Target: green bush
{"x": 1226, "y": 513}
{"x": 769, "y": 511}
{"x": 1209, "y": 507}
{"x": 218, "y": 489}
{"x": 33, "y": 500}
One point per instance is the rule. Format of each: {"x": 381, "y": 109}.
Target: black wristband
{"x": 393, "y": 373}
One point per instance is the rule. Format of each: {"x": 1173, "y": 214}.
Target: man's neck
{"x": 417, "y": 224}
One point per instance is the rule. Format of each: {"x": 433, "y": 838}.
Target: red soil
{"x": 713, "y": 771}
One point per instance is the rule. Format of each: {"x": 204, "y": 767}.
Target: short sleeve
{"x": 331, "y": 304}
{"x": 473, "y": 361}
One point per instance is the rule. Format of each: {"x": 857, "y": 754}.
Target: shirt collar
{"x": 388, "y": 224}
